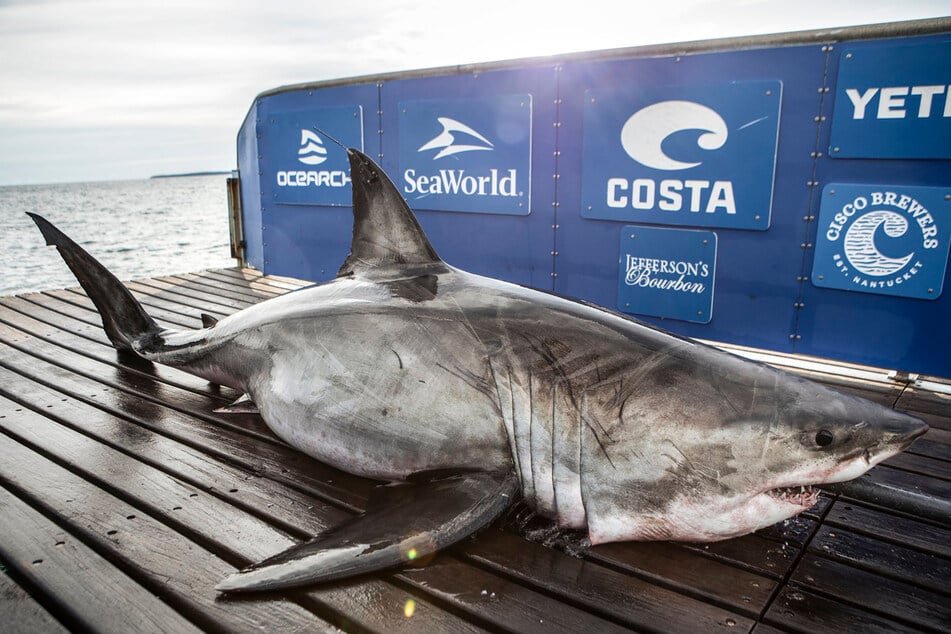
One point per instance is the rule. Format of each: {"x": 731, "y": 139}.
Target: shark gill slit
{"x": 509, "y": 418}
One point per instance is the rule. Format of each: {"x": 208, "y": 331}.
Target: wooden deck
{"x": 124, "y": 499}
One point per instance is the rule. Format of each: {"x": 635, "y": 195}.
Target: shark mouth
{"x": 804, "y": 496}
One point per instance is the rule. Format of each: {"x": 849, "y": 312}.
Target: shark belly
{"x": 386, "y": 409}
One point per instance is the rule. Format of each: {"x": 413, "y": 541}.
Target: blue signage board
{"x": 306, "y": 166}
{"x": 699, "y": 155}
{"x": 667, "y": 272}
{"x": 470, "y": 155}
{"x": 893, "y": 102}
{"x": 883, "y": 239}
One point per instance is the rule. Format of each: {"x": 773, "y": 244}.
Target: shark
{"x": 467, "y": 394}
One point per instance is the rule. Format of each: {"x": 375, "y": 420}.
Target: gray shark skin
{"x": 407, "y": 369}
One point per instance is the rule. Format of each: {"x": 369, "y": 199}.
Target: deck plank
{"x": 216, "y": 491}
{"x": 887, "y": 597}
{"x": 70, "y": 573}
{"x": 20, "y": 612}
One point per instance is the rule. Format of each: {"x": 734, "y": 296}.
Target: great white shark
{"x": 473, "y": 392}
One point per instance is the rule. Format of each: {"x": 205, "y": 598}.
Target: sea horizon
{"x": 138, "y": 228}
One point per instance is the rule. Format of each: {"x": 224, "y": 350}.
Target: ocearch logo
{"x": 645, "y": 131}
{"x": 312, "y": 150}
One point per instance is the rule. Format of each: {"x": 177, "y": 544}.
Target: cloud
{"x": 145, "y": 71}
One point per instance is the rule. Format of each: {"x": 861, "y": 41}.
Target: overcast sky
{"x": 116, "y": 89}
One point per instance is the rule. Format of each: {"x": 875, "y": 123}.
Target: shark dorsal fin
{"x": 386, "y": 234}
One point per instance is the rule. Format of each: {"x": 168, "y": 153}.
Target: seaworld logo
{"x": 882, "y": 236}
{"x": 456, "y": 138}
{"x": 446, "y": 140}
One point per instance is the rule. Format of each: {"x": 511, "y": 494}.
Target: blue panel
{"x": 469, "y": 155}
{"x": 883, "y": 239}
{"x": 877, "y": 329}
{"x": 758, "y": 276}
{"x": 250, "y": 188}
{"x": 308, "y": 167}
{"x": 699, "y": 155}
{"x": 510, "y": 247}
{"x": 308, "y": 241}
{"x": 893, "y": 101}
{"x": 667, "y": 272}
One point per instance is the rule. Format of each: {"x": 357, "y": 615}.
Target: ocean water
{"x": 140, "y": 228}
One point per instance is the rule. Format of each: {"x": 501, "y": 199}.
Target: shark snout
{"x": 907, "y": 429}
{"x": 896, "y": 432}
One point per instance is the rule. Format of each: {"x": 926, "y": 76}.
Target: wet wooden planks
{"x": 124, "y": 498}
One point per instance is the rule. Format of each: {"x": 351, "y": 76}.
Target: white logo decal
{"x": 667, "y": 275}
{"x": 447, "y": 140}
{"x": 646, "y": 130}
{"x": 312, "y": 150}
{"x": 861, "y": 221}
{"x": 860, "y": 246}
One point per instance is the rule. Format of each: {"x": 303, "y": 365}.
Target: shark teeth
{"x": 804, "y": 496}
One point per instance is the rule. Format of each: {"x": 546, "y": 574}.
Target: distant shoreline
{"x": 191, "y": 174}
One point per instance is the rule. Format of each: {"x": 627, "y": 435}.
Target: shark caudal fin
{"x": 386, "y": 234}
{"x": 123, "y": 318}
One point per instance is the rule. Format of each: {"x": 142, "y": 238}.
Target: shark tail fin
{"x": 126, "y": 323}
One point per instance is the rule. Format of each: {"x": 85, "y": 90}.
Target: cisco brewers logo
{"x": 701, "y": 155}
{"x": 881, "y": 240}
{"x": 312, "y": 152}
{"x": 455, "y": 138}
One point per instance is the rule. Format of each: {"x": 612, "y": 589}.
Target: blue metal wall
{"x": 552, "y": 233}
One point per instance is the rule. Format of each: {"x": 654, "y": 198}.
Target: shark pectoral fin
{"x": 243, "y": 405}
{"x": 404, "y": 523}
{"x": 207, "y": 321}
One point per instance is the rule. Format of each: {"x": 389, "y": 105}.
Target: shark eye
{"x": 824, "y": 437}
